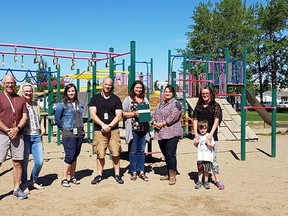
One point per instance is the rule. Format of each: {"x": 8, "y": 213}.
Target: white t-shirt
{"x": 203, "y": 152}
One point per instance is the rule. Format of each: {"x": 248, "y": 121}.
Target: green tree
{"x": 230, "y": 24}
{"x": 269, "y": 46}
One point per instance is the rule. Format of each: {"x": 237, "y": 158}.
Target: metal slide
{"x": 255, "y": 103}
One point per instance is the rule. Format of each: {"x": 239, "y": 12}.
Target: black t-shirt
{"x": 108, "y": 106}
{"x": 209, "y": 113}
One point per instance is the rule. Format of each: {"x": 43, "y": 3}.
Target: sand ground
{"x": 256, "y": 186}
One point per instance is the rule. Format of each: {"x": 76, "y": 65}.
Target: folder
{"x": 144, "y": 112}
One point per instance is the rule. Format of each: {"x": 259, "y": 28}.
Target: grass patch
{"x": 254, "y": 116}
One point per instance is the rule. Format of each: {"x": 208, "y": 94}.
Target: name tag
{"x": 75, "y": 131}
{"x": 105, "y": 115}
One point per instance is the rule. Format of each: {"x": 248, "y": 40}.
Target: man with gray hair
{"x": 13, "y": 117}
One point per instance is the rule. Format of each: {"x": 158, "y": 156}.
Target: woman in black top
{"x": 208, "y": 109}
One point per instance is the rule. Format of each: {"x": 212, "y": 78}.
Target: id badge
{"x": 74, "y": 130}
{"x": 105, "y": 115}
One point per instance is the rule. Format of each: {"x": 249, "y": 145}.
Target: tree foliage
{"x": 230, "y": 24}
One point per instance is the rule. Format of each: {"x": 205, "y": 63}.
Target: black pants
{"x": 168, "y": 148}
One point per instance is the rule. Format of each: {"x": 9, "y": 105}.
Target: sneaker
{"x": 198, "y": 185}
{"x": 18, "y": 193}
{"x": 65, "y": 183}
{"x": 206, "y": 185}
{"x": 97, "y": 179}
{"x": 118, "y": 179}
{"x": 74, "y": 181}
{"x": 219, "y": 185}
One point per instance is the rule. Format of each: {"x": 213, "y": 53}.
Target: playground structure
{"x": 38, "y": 52}
{"x": 224, "y": 75}
{"x": 93, "y": 76}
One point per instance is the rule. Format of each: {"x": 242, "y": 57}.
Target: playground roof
{"x": 100, "y": 74}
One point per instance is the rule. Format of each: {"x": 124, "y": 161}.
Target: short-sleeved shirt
{"x": 203, "y": 152}
{"x": 6, "y": 112}
{"x": 109, "y": 106}
{"x": 208, "y": 113}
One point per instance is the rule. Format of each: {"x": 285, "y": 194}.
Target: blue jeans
{"x": 32, "y": 144}
{"x": 168, "y": 148}
{"x": 136, "y": 152}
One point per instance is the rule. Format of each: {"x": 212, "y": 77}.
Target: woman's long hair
{"x": 201, "y": 100}
{"x": 132, "y": 92}
{"x": 65, "y": 96}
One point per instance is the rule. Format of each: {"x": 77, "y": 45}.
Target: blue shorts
{"x": 72, "y": 148}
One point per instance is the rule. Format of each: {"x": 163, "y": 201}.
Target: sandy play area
{"x": 257, "y": 186}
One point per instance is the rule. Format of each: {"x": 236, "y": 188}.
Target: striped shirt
{"x": 170, "y": 112}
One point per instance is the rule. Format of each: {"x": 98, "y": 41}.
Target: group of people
{"x": 20, "y": 132}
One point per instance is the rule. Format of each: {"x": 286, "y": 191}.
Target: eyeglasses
{"x": 28, "y": 91}
{"x": 9, "y": 83}
{"x": 205, "y": 93}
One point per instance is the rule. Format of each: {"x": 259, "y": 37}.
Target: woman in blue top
{"x": 68, "y": 117}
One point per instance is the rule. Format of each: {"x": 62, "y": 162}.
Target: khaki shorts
{"x": 16, "y": 147}
{"x": 110, "y": 140}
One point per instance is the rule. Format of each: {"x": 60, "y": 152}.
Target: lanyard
{"x": 12, "y": 107}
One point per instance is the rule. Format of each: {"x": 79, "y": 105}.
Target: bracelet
{"x": 19, "y": 128}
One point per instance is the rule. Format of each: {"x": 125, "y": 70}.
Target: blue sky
{"x": 155, "y": 25}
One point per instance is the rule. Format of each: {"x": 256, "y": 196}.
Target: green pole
{"x": 78, "y": 81}
{"x": 58, "y": 85}
{"x": 148, "y": 81}
{"x": 184, "y": 94}
{"x": 123, "y": 64}
{"x": 151, "y": 78}
{"x": 273, "y": 126}
{"x": 94, "y": 76}
{"x": 169, "y": 66}
{"x": 129, "y": 80}
{"x": 111, "y": 64}
{"x": 132, "y": 71}
{"x": 89, "y": 118}
{"x": 243, "y": 110}
{"x": 58, "y": 100}
{"x": 50, "y": 106}
{"x": 152, "y": 82}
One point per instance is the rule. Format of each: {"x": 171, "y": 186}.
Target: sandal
{"x": 74, "y": 181}
{"x": 65, "y": 183}
{"x": 133, "y": 176}
{"x": 143, "y": 177}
